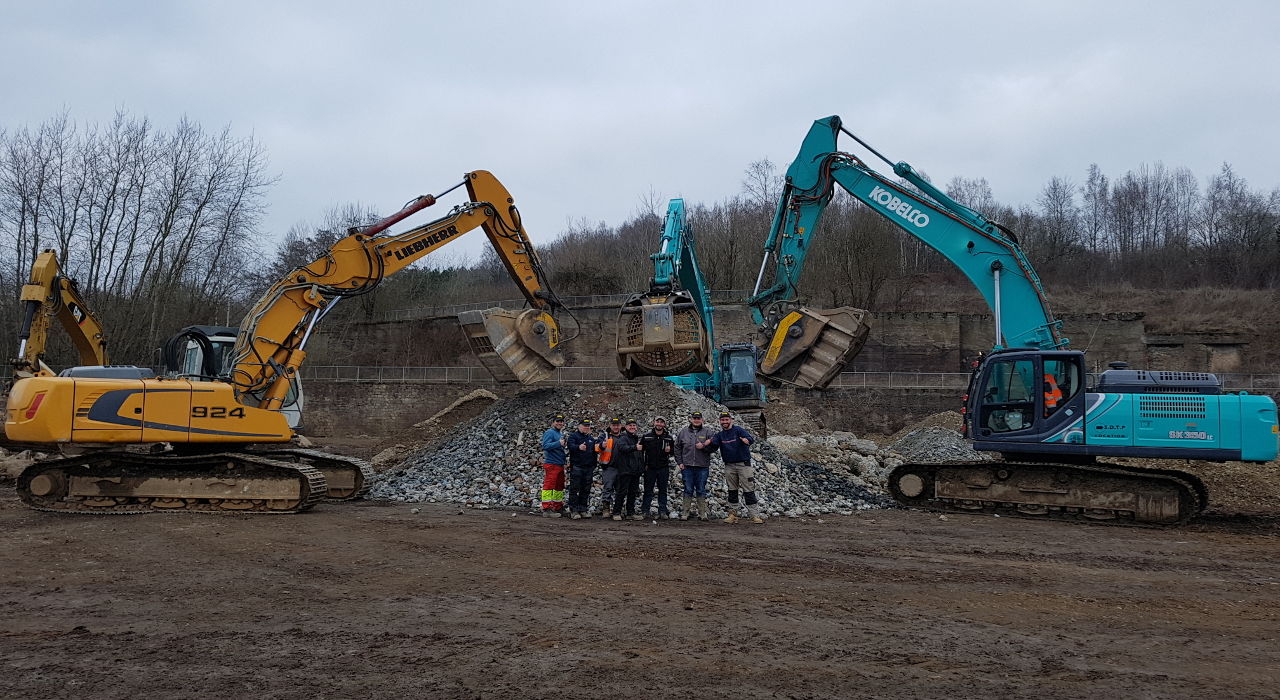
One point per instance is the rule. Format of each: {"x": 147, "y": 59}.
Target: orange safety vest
{"x": 1052, "y": 394}
{"x": 606, "y": 450}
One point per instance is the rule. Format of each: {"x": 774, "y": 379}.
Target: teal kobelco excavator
{"x": 669, "y": 331}
{"x": 1030, "y": 398}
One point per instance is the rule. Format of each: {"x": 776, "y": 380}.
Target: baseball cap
{"x": 725, "y": 414}
{"x": 615, "y": 421}
{"x": 557, "y": 417}
{"x": 585, "y": 421}
{"x": 632, "y": 421}
{"x": 660, "y": 418}
{"x": 696, "y": 414}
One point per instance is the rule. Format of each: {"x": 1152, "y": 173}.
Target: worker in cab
{"x": 1052, "y": 394}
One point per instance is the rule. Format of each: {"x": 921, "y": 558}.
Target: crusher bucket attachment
{"x": 515, "y": 346}
{"x": 662, "y": 336}
{"x": 809, "y": 347}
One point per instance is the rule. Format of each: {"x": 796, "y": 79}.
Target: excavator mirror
{"x": 662, "y": 336}
{"x": 809, "y": 347}
{"x": 515, "y": 346}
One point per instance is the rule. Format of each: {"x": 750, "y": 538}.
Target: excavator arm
{"x": 667, "y": 331}
{"x": 50, "y": 294}
{"x": 808, "y": 347}
{"x": 270, "y": 346}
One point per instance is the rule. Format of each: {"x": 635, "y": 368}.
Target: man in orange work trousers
{"x": 553, "y": 468}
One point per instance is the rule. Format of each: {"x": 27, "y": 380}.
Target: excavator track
{"x": 120, "y": 482}
{"x": 348, "y": 478}
{"x": 1105, "y": 493}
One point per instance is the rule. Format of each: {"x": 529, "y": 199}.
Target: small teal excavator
{"x": 1028, "y": 399}
{"x": 669, "y": 331}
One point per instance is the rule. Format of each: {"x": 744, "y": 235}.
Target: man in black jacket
{"x": 581, "y": 446}
{"x": 657, "y": 446}
{"x": 628, "y": 455}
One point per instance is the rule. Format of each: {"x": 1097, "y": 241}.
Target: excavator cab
{"x": 662, "y": 335}
{"x": 809, "y": 347}
{"x": 515, "y": 346}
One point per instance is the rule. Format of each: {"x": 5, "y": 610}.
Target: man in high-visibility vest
{"x": 608, "y": 465}
{"x": 1052, "y": 394}
{"x": 553, "y": 444}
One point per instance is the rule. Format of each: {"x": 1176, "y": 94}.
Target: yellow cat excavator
{"x": 47, "y": 295}
{"x": 229, "y": 438}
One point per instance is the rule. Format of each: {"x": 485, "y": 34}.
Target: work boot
{"x": 703, "y": 512}
{"x": 732, "y": 518}
{"x": 576, "y": 516}
{"x": 757, "y": 520}
{"x": 616, "y": 517}
{"x": 685, "y": 509}
{"x": 607, "y": 512}
{"x": 754, "y": 510}
{"x": 637, "y": 516}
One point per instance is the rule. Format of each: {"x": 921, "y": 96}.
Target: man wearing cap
{"x": 607, "y": 446}
{"x": 658, "y": 446}
{"x": 734, "y": 444}
{"x": 628, "y": 455}
{"x": 581, "y": 445}
{"x": 553, "y": 444}
{"x": 694, "y": 464}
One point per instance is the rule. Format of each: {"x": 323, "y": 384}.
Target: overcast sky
{"x": 582, "y": 108}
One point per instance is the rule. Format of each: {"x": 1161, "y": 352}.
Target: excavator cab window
{"x": 1008, "y": 401}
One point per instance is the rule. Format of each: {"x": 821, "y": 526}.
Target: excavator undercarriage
{"x": 120, "y": 482}
{"x": 1096, "y": 492}
{"x": 256, "y": 480}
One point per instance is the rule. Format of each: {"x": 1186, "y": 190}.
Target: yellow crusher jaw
{"x": 809, "y": 347}
{"x": 515, "y": 346}
{"x": 662, "y": 336}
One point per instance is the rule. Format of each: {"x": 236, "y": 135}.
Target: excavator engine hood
{"x": 515, "y": 346}
{"x": 662, "y": 336}
{"x": 809, "y": 347}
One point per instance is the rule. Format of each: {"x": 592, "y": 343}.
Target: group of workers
{"x": 628, "y": 459}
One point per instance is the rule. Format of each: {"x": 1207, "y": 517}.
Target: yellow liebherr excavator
{"x": 49, "y": 294}
{"x": 229, "y": 440}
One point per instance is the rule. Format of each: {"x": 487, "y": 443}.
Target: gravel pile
{"x": 494, "y": 460}
{"x": 937, "y": 444}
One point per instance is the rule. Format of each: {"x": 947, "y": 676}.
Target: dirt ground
{"x": 371, "y": 600}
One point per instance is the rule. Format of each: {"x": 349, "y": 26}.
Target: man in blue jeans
{"x": 694, "y": 464}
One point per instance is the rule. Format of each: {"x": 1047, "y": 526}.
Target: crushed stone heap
{"x": 935, "y": 443}
{"x": 494, "y": 460}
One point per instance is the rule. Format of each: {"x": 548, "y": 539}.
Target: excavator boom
{"x": 667, "y": 331}
{"x": 50, "y": 294}
{"x": 808, "y": 347}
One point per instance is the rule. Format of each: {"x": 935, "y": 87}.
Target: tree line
{"x": 158, "y": 224}
{"x": 153, "y": 223}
